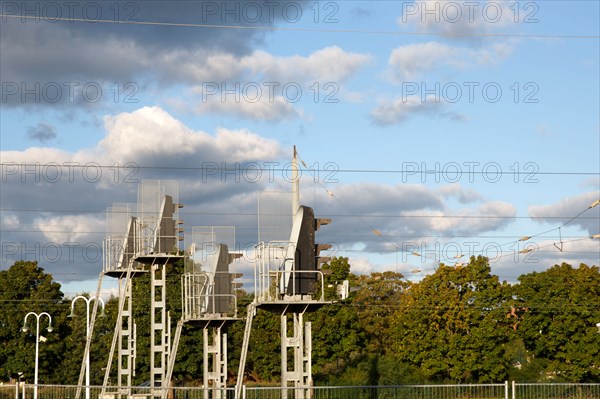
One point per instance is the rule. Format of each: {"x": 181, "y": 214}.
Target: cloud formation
{"x": 43, "y": 132}
{"x": 414, "y": 61}
{"x": 60, "y": 203}
{"x": 399, "y": 110}
{"x": 567, "y": 208}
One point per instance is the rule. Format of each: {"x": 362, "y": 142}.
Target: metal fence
{"x": 459, "y": 391}
{"x": 464, "y": 391}
{"x": 555, "y": 391}
{"x": 9, "y": 391}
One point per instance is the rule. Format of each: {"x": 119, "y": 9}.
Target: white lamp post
{"x": 37, "y": 343}
{"x": 87, "y": 335}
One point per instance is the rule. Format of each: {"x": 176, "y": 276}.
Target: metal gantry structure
{"x": 288, "y": 282}
{"x": 143, "y": 238}
{"x": 144, "y": 241}
{"x": 209, "y": 301}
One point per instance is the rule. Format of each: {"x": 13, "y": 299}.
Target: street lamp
{"x": 37, "y": 343}
{"x": 87, "y": 334}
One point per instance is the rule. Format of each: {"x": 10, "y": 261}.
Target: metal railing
{"x": 118, "y": 248}
{"x": 9, "y": 391}
{"x": 447, "y": 391}
{"x": 555, "y": 391}
{"x": 137, "y": 240}
{"x": 463, "y": 391}
{"x": 113, "y": 392}
{"x": 200, "y": 300}
{"x": 272, "y": 277}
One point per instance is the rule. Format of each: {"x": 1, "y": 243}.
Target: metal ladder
{"x": 172, "y": 355}
{"x": 244, "y": 353}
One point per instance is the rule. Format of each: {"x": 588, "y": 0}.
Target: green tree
{"x": 101, "y": 340}
{"x": 25, "y": 287}
{"x": 453, "y": 325}
{"x": 352, "y": 339}
{"x": 336, "y": 271}
{"x": 338, "y": 339}
{"x": 559, "y": 309}
{"x": 376, "y": 297}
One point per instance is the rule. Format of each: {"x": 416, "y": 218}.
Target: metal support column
{"x": 300, "y": 344}
{"x": 159, "y": 346}
{"x": 126, "y": 333}
{"x": 307, "y": 359}
{"x": 215, "y": 363}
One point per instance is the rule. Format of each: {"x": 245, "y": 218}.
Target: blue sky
{"x": 388, "y": 90}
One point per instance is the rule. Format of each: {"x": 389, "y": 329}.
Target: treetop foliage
{"x": 458, "y": 324}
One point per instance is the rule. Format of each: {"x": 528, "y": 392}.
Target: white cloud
{"x": 146, "y": 137}
{"x": 489, "y": 216}
{"x": 151, "y": 132}
{"x": 70, "y": 228}
{"x": 458, "y": 20}
{"x": 405, "y": 215}
{"x": 399, "y": 110}
{"x": 464, "y": 196}
{"x": 142, "y": 67}
{"x": 593, "y": 182}
{"x": 9, "y": 221}
{"x": 361, "y": 265}
{"x": 35, "y": 52}
{"x": 567, "y": 208}
{"x": 329, "y": 64}
{"x": 544, "y": 255}
{"x": 259, "y": 107}
{"x": 265, "y": 87}
{"x": 467, "y": 22}
{"x": 412, "y": 61}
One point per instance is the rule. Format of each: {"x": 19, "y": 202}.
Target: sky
{"x": 428, "y": 131}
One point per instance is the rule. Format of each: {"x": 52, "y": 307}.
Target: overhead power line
{"x": 301, "y": 29}
{"x": 335, "y": 215}
{"x": 525, "y": 239}
{"x": 214, "y": 167}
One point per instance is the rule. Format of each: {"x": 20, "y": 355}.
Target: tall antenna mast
{"x": 295, "y": 185}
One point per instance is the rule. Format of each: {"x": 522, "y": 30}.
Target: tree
{"x": 453, "y": 325}
{"x": 376, "y": 297}
{"x": 336, "y": 271}
{"x": 101, "y": 340}
{"x": 352, "y": 339}
{"x": 338, "y": 339}
{"x": 559, "y": 309}
{"x": 25, "y": 287}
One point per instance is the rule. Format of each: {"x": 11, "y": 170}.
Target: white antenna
{"x": 295, "y": 184}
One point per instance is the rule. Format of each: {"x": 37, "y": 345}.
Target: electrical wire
{"x": 300, "y": 29}
{"x": 524, "y": 238}
{"x": 238, "y": 168}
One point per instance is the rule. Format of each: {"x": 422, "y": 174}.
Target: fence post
{"x": 16, "y": 390}
{"x": 505, "y": 389}
{"x": 514, "y": 390}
